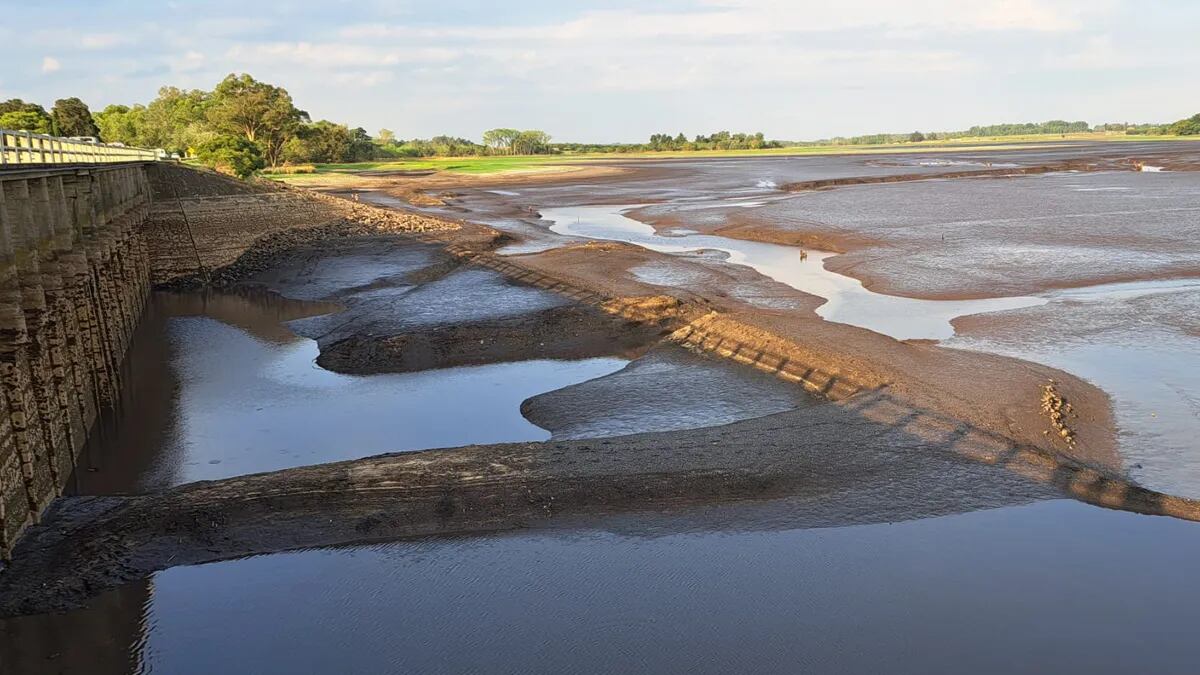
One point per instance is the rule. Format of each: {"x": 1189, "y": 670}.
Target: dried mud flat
{"x": 896, "y": 431}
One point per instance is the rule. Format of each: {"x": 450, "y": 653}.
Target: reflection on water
{"x": 1050, "y": 587}
{"x": 846, "y": 299}
{"x": 219, "y": 393}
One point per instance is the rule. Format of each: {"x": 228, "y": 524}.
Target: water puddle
{"x": 1066, "y": 586}
{"x": 230, "y": 400}
{"x": 847, "y": 301}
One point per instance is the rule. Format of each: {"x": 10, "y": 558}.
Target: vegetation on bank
{"x": 243, "y": 126}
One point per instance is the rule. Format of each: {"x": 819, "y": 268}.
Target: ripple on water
{"x": 1060, "y": 584}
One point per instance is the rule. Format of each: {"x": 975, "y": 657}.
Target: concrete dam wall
{"x": 74, "y": 278}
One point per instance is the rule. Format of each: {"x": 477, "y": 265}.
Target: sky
{"x": 622, "y": 70}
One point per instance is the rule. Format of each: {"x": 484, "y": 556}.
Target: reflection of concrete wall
{"x": 104, "y": 638}
{"x": 74, "y": 278}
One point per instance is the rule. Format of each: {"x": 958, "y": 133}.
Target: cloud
{"x": 334, "y": 55}
{"x": 767, "y": 18}
{"x": 190, "y": 62}
{"x": 103, "y": 40}
{"x": 50, "y": 64}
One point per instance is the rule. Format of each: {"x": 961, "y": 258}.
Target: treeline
{"x": 240, "y": 126}
{"x": 1186, "y": 127}
{"x": 243, "y": 125}
{"x": 720, "y": 140}
{"x": 68, "y": 117}
{"x": 1190, "y": 126}
{"x": 501, "y": 141}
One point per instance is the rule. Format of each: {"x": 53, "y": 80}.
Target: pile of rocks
{"x": 1057, "y": 409}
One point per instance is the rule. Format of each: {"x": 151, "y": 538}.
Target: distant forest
{"x": 1185, "y": 127}
{"x": 243, "y": 125}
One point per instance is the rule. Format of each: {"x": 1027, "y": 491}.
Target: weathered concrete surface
{"x": 203, "y": 221}
{"x": 74, "y": 277}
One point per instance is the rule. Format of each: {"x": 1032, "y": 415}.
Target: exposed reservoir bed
{"x": 1145, "y": 365}
{"x": 847, "y": 301}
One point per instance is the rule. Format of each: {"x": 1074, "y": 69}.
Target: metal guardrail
{"x": 23, "y": 148}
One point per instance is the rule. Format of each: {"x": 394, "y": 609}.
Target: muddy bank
{"x": 89, "y": 544}
{"x": 990, "y": 393}
{"x": 667, "y": 389}
{"x": 1004, "y": 172}
{"x": 831, "y": 464}
{"x": 993, "y": 393}
{"x": 408, "y": 306}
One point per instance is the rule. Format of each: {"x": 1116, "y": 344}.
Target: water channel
{"x": 1148, "y": 368}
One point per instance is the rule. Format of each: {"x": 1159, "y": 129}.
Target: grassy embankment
{"x": 331, "y": 173}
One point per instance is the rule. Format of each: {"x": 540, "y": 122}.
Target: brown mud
{"x": 1003, "y": 172}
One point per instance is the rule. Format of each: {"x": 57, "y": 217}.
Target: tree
{"x": 122, "y": 124}
{"x": 1186, "y": 127}
{"x": 261, "y": 112}
{"x": 362, "y": 147}
{"x": 176, "y": 120}
{"x": 322, "y": 142}
{"x": 18, "y": 115}
{"x": 916, "y": 137}
{"x": 71, "y": 117}
{"x": 501, "y": 139}
{"x": 386, "y": 137}
{"x": 24, "y": 120}
{"x": 231, "y": 154}
{"x": 531, "y": 142}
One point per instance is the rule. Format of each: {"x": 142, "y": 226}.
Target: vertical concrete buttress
{"x": 74, "y": 280}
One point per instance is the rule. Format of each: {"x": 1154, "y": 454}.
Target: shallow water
{"x": 847, "y": 301}
{"x": 229, "y": 402}
{"x": 1145, "y": 359}
{"x": 1054, "y": 586}
{"x": 1136, "y": 341}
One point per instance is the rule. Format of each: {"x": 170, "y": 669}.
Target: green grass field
{"x": 335, "y": 173}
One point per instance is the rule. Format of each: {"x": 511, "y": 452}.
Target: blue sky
{"x": 619, "y": 71}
